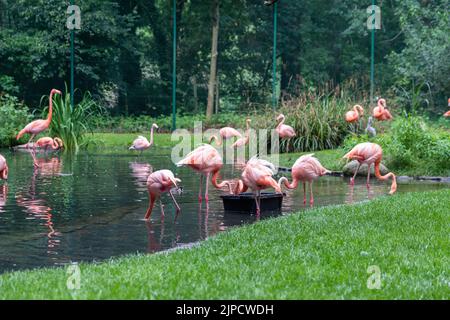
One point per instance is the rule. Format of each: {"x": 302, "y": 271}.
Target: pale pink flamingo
{"x": 3, "y": 168}
{"x": 447, "y": 114}
{"x": 157, "y": 183}
{"x": 207, "y": 161}
{"x": 306, "y": 169}
{"x": 370, "y": 153}
{"x": 257, "y": 175}
{"x": 380, "y": 112}
{"x": 47, "y": 143}
{"x": 225, "y": 134}
{"x": 38, "y": 126}
{"x": 353, "y": 115}
{"x": 243, "y": 140}
{"x": 141, "y": 143}
{"x": 283, "y": 130}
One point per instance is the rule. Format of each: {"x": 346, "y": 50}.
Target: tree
{"x": 214, "y": 54}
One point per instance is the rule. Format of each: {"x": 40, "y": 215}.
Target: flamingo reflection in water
{"x": 140, "y": 172}
{"x": 37, "y": 208}
{"x": 3, "y": 196}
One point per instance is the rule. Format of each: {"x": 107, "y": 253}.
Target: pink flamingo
{"x": 207, "y": 161}
{"x": 47, "y": 143}
{"x": 447, "y": 114}
{"x": 38, "y": 126}
{"x": 157, "y": 183}
{"x": 3, "y": 168}
{"x": 243, "y": 140}
{"x": 370, "y": 153}
{"x": 225, "y": 134}
{"x": 141, "y": 143}
{"x": 352, "y": 116}
{"x": 306, "y": 169}
{"x": 283, "y": 130}
{"x": 380, "y": 112}
{"x": 257, "y": 175}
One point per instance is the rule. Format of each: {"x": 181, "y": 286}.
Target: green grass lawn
{"x": 323, "y": 253}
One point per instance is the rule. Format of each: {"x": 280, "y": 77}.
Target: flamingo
{"x": 257, "y": 175}
{"x": 243, "y": 141}
{"x": 157, "y": 183}
{"x": 353, "y": 115}
{"x": 141, "y": 143}
{"x": 207, "y": 161}
{"x": 380, "y": 112}
{"x": 284, "y": 131}
{"x": 38, "y": 126}
{"x": 306, "y": 169}
{"x": 225, "y": 134}
{"x": 49, "y": 143}
{"x": 447, "y": 114}
{"x": 370, "y": 153}
{"x": 3, "y": 168}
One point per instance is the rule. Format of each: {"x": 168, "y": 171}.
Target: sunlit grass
{"x": 324, "y": 253}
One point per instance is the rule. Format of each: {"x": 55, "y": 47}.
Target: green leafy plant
{"x": 72, "y": 125}
{"x": 13, "y": 116}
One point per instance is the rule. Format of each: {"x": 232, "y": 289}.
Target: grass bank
{"x": 324, "y": 253}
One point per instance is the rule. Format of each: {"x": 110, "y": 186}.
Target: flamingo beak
{"x": 56, "y": 91}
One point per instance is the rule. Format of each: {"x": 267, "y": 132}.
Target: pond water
{"x": 91, "y": 207}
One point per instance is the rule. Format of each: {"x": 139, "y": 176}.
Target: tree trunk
{"x": 213, "y": 68}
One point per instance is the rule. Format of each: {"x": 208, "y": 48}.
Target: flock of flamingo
{"x": 257, "y": 174}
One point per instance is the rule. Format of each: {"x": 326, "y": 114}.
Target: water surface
{"x": 91, "y": 207}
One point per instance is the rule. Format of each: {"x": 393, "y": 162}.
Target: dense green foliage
{"x": 322, "y": 254}
{"x": 123, "y": 51}
{"x": 13, "y": 116}
{"x": 411, "y": 144}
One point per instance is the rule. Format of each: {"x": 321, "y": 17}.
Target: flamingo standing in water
{"x": 47, "y": 143}
{"x": 284, "y": 131}
{"x": 3, "y": 168}
{"x": 157, "y": 183}
{"x": 257, "y": 175}
{"x": 306, "y": 169}
{"x": 353, "y": 115}
{"x": 380, "y": 112}
{"x": 370, "y": 153}
{"x": 207, "y": 161}
{"x": 38, "y": 126}
{"x": 243, "y": 141}
{"x": 225, "y": 134}
{"x": 141, "y": 143}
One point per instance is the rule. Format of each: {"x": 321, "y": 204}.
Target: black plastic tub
{"x": 245, "y": 202}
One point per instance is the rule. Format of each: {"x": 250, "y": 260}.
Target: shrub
{"x": 13, "y": 117}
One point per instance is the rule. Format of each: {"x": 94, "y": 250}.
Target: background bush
{"x": 14, "y": 116}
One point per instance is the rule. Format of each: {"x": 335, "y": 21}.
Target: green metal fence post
{"x": 72, "y": 64}
{"x": 174, "y": 67}
{"x": 274, "y": 57}
{"x": 372, "y": 55}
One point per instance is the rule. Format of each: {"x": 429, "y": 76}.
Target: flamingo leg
{"x": 150, "y": 207}
{"x": 258, "y": 210}
{"x": 368, "y": 176}
{"x": 311, "y": 196}
{"x": 304, "y": 192}
{"x": 206, "y": 187}
{"x": 162, "y": 207}
{"x": 174, "y": 201}
{"x": 200, "y": 189}
{"x": 28, "y": 143}
{"x": 352, "y": 180}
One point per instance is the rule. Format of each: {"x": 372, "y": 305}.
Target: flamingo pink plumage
{"x": 447, "y": 114}
{"x": 38, "y": 126}
{"x": 157, "y": 183}
{"x": 306, "y": 169}
{"x": 283, "y": 130}
{"x": 257, "y": 175}
{"x": 354, "y": 114}
{"x": 380, "y": 112}
{"x": 49, "y": 143}
{"x": 243, "y": 140}
{"x": 141, "y": 143}
{"x": 370, "y": 153}
{"x": 207, "y": 161}
{"x": 3, "y": 168}
{"x": 225, "y": 134}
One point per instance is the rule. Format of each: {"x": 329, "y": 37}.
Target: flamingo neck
{"x": 218, "y": 141}
{"x": 285, "y": 181}
{"x": 385, "y": 177}
{"x": 151, "y": 136}
{"x": 219, "y": 185}
{"x": 50, "y": 109}
{"x": 55, "y": 144}
{"x": 281, "y": 122}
